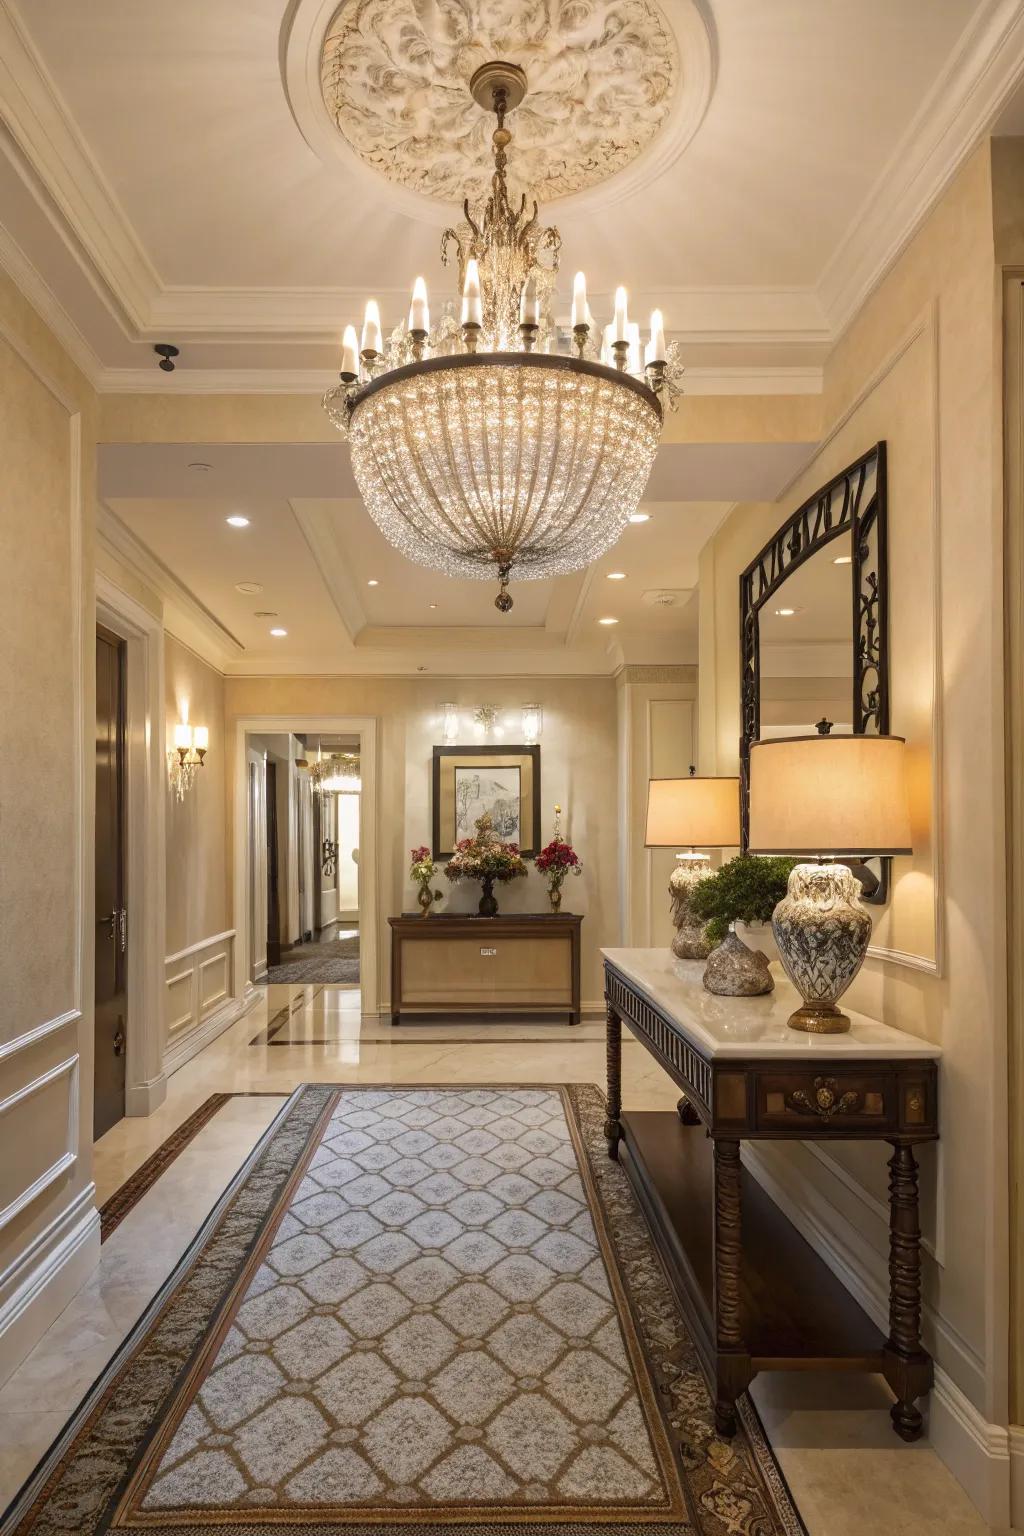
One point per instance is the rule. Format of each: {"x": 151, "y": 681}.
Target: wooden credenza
{"x": 523, "y": 965}
{"x": 756, "y": 1294}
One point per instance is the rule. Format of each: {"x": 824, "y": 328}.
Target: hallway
{"x": 157, "y": 1178}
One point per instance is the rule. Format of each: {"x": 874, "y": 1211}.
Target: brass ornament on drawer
{"x": 826, "y": 1101}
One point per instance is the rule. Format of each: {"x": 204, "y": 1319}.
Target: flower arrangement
{"x": 556, "y": 861}
{"x": 423, "y": 871}
{"x": 485, "y": 858}
{"x": 746, "y": 890}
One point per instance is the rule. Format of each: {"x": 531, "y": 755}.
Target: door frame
{"x": 366, "y": 728}
{"x": 145, "y": 818}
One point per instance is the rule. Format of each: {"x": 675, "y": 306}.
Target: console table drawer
{"x": 825, "y": 1100}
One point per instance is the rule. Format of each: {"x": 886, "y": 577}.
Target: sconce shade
{"x": 829, "y": 795}
{"x": 693, "y": 813}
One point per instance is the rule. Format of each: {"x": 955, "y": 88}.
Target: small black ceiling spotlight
{"x": 165, "y": 352}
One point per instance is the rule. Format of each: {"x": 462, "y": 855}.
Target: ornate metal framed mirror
{"x": 814, "y": 631}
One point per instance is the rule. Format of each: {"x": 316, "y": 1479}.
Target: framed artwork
{"x": 504, "y": 781}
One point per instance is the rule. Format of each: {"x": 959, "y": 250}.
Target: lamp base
{"x": 819, "y": 1019}
{"x": 823, "y": 934}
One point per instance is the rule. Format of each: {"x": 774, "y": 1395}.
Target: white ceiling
{"x": 157, "y": 184}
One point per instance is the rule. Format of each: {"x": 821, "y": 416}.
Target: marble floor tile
{"x": 848, "y": 1472}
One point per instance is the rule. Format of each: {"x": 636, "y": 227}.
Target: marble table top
{"x": 754, "y": 1027}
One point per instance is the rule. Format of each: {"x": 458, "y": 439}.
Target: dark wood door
{"x": 318, "y": 833}
{"x": 111, "y": 917}
{"x": 273, "y": 896}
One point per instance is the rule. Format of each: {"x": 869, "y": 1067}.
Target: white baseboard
{"x": 38, "y": 1285}
{"x": 976, "y": 1451}
{"x": 1017, "y": 1477}
{"x": 188, "y": 1045}
{"x": 143, "y": 1098}
{"x": 587, "y": 1011}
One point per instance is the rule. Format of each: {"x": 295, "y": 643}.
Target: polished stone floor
{"x": 847, "y": 1471}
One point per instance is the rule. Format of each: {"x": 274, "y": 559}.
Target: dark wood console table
{"x": 756, "y": 1294}
{"x": 523, "y": 965}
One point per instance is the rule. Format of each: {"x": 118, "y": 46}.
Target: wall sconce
{"x": 533, "y": 724}
{"x": 450, "y": 724}
{"x": 485, "y": 720}
{"x": 187, "y": 756}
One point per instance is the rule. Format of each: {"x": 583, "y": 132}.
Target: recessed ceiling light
{"x": 200, "y": 467}
{"x": 616, "y": 575}
{"x": 265, "y": 613}
{"x": 607, "y": 621}
{"x": 373, "y": 583}
{"x": 433, "y": 605}
{"x": 236, "y": 520}
{"x": 639, "y": 517}
{"x": 250, "y": 588}
{"x": 843, "y": 560}
{"x": 786, "y": 613}
{"x": 279, "y": 634}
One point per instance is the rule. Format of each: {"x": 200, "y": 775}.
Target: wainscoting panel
{"x": 198, "y": 983}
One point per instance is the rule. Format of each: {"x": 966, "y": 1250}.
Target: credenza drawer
{"x": 489, "y": 971}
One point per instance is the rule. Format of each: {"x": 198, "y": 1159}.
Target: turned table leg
{"x": 613, "y": 1124}
{"x": 908, "y": 1367}
{"x": 732, "y": 1370}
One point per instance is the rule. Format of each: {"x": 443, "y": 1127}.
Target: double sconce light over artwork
{"x": 488, "y": 723}
{"x": 186, "y": 757}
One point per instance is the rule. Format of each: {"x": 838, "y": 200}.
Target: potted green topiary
{"x": 742, "y": 894}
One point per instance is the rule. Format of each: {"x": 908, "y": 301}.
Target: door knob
{"x": 119, "y": 1042}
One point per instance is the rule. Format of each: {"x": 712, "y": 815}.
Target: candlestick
{"x": 529, "y": 305}
{"x": 472, "y": 306}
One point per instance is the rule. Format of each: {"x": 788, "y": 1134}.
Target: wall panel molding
{"x": 198, "y": 992}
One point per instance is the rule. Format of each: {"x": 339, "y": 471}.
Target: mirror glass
{"x": 806, "y": 646}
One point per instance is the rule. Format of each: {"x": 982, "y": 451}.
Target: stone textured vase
{"x": 733, "y": 970}
{"x": 823, "y": 934}
{"x": 689, "y": 942}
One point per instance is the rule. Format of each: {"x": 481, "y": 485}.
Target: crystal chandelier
{"x": 480, "y": 448}
{"x": 335, "y": 774}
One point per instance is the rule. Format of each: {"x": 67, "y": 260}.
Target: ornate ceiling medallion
{"x": 395, "y": 78}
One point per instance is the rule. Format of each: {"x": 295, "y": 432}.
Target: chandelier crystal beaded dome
{"x": 479, "y": 447}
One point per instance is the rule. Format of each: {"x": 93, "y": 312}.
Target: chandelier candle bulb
{"x": 201, "y": 740}
{"x": 580, "y": 310}
{"x": 620, "y": 325}
{"x": 656, "y": 345}
{"x": 472, "y": 304}
{"x": 419, "y": 311}
{"x": 372, "y": 341}
{"x": 183, "y": 737}
{"x": 349, "y": 355}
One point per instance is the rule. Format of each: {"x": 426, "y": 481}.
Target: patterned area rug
{"x": 426, "y": 1307}
{"x": 333, "y": 963}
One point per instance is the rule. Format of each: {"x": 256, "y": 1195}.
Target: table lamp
{"x": 819, "y": 797}
{"x": 691, "y": 813}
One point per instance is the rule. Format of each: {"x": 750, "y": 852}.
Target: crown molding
{"x": 48, "y": 307}
{"x": 90, "y": 219}
{"x": 321, "y": 534}
{"x": 961, "y": 107}
{"x": 129, "y": 550}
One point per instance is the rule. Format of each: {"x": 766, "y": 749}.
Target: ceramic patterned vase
{"x": 555, "y": 897}
{"x": 823, "y": 934}
{"x": 733, "y": 970}
{"x": 488, "y": 901}
{"x": 689, "y": 942}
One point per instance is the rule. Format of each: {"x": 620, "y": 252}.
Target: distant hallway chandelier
{"x": 479, "y": 449}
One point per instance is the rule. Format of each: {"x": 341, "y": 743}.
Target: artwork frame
{"x": 495, "y": 772}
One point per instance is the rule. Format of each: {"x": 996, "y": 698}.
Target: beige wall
{"x": 197, "y": 876}
{"x": 918, "y": 368}
{"x": 47, "y": 704}
{"x": 578, "y": 771}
